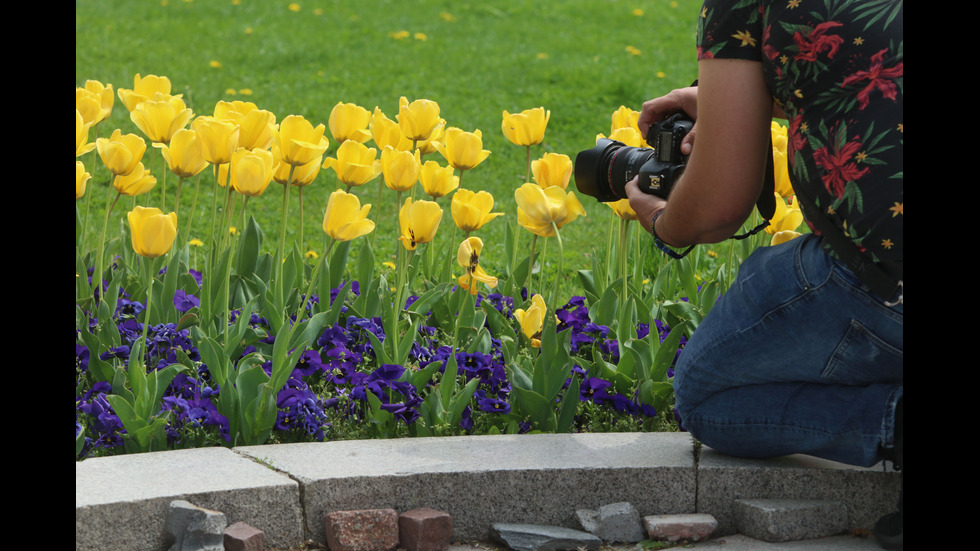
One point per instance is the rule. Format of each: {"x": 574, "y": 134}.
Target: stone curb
{"x": 287, "y": 490}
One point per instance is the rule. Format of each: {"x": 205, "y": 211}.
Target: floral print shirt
{"x": 836, "y": 69}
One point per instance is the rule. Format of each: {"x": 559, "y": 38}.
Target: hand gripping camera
{"x": 604, "y": 170}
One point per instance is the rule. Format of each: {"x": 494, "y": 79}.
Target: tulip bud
{"x": 153, "y": 232}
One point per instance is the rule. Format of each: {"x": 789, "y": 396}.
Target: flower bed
{"x": 237, "y": 344}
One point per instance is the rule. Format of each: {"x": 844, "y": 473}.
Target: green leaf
{"x": 667, "y": 352}
{"x": 588, "y": 285}
{"x": 365, "y": 262}
{"x": 338, "y": 264}
{"x": 569, "y": 406}
{"x": 604, "y": 312}
{"x": 535, "y": 406}
{"x": 460, "y": 401}
{"x": 448, "y": 384}
{"x": 249, "y": 245}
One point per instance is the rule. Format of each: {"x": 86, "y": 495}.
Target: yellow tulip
{"x": 532, "y": 320}
{"x": 468, "y": 256}
{"x": 472, "y": 210}
{"x": 400, "y": 168}
{"x": 345, "y": 218}
{"x": 437, "y": 180}
{"x": 463, "y": 150}
{"x": 218, "y": 138}
{"x": 160, "y": 116}
{"x": 552, "y": 169}
{"x": 623, "y": 209}
{"x": 299, "y": 141}
{"x": 233, "y": 110}
{"x": 418, "y": 119}
{"x": 184, "y": 154}
{"x": 153, "y": 232}
{"x": 120, "y": 152}
{"x": 624, "y": 117}
{"x": 136, "y": 182}
{"x": 538, "y": 208}
{"x": 81, "y": 179}
{"x": 82, "y": 145}
{"x": 355, "y": 163}
{"x": 784, "y": 187}
{"x": 386, "y": 132}
{"x": 627, "y": 135}
{"x": 526, "y": 127}
{"x": 257, "y": 126}
{"x": 251, "y": 171}
{"x": 143, "y": 89}
{"x": 349, "y": 121}
{"x": 786, "y": 217}
{"x": 427, "y": 147}
{"x": 303, "y": 175}
{"x": 418, "y": 222}
{"x": 94, "y": 101}
{"x": 784, "y": 236}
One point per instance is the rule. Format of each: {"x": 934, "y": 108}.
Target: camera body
{"x": 604, "y": 170}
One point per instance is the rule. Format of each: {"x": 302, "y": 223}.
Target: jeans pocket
{"x": 863, "y": 358}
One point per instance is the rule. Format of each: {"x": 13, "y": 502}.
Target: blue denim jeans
{"x": 796, "y": 357}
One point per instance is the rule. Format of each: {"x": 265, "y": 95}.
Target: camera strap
{"x": 767, "y": 198}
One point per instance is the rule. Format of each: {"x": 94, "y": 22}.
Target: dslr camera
{"x": 604, "y": 170}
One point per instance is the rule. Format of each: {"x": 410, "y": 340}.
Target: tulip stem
{"x": 285, "y": 203}
{"x": 377, "y": 209}
{"x": 197, "y": 188}
{"x": 180, "y": 182}
{"x": 309, "y": 289}
{"x": 301, "y": 244}
{"x": 404, "y": 260}
{"x": 557, "y": 287}
{"x": 530, "y": 264}
{"x": 146, "y": 312}
{"x": 398, "y": 206}
{"x": 163, "y": 186}
{"x": 100, "y": 253}
{"x": 282, "y": 236}
{"x": 214, "y": 214}
{"x": 228, "y": 209}
{"x": 623, "y": 244}
{"x": 527, "y": 170}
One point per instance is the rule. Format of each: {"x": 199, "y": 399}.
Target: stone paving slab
{"x": 868, "y": 493}
{"x": 478, "y": 480}
{"x": 121, "y": 502}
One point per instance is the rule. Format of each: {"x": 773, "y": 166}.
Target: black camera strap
{"x": 767, "y": 198}
{"x": 766, "y": 204}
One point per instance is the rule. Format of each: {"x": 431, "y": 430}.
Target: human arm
{"x": 724, "y": 174}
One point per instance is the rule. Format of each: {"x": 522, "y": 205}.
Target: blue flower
{"x": 184, "y": 302}
{"x": 494, "y": 405}
{"x": 594, "y": 389}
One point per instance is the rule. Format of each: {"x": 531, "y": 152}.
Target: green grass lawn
{"x": 580, "y": 59}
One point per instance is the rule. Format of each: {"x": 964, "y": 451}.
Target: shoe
{"x": 889, "y": 528}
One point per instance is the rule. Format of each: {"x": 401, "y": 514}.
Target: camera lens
{"x": 604, "y": 170}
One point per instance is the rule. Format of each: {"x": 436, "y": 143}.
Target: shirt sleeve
{"x": 730, "y": 30}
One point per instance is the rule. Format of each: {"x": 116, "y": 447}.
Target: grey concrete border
{"x": 287, "y": 489}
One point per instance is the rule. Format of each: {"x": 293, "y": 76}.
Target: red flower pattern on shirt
{"x": 818, "y": 42}
{"x": 839, "y": 166}
{"x": 878, "y": 77}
